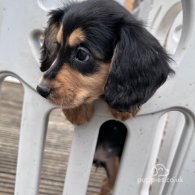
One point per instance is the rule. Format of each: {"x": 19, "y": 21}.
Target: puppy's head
{"x": 97, "y": 48}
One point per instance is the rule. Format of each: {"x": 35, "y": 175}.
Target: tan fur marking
{"x": 129, "y": 4}
{"x": 60, "y": 35}
{"x": 50, "y": 39}
{"x": 79, "y": 115}
{"x": 123, "y": 115}
{"x": 76, "y": 37}
{"x": 108, "y": 185}
{"x": 71, "y": 89}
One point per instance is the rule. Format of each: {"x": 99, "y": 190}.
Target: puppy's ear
{"x": 49, "y": 48}
{"x": 139, "y": 67}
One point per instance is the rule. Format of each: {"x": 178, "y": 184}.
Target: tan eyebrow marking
{"x": 59, "y": 36}
{"x": 76, "y": 37}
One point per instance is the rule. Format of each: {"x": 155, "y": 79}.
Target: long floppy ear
{"x": 49, "y": 48}
{"x": 139, "y": 67}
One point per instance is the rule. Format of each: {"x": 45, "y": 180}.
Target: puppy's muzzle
{"x": 43, "y": 90}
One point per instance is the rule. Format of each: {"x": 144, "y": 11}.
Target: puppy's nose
{"x": 43, "y": 90}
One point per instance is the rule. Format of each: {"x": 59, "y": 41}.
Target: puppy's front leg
{"x": 106, "y": 187}
{"x": 79, "y": 115}
{"x": 124, "y": 115}
{"x": 112, "y": 167}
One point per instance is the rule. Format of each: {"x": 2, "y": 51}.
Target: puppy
{"x": 110, "y": 144}
{"x": 97, "y": 49}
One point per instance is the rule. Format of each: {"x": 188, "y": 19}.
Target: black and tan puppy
{"x": 96, "y": 48}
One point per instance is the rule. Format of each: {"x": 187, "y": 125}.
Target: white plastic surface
{"x": 20, "y": 25}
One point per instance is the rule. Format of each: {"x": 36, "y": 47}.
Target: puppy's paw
{"x": 124, "y": 115}
{"x": 79, "y": 115}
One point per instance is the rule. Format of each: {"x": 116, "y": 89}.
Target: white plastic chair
{"x": 19, "y": 40}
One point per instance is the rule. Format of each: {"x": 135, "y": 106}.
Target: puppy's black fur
{"x": 139, "y": 64}
{"x": 111, "y": 139}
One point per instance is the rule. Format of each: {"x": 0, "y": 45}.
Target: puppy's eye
{"x": 82, "y": 54}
